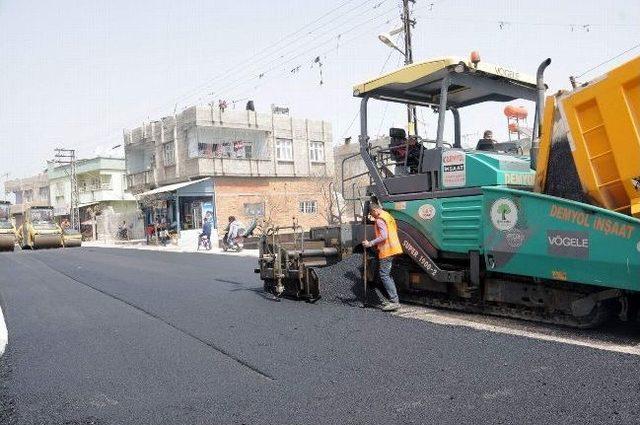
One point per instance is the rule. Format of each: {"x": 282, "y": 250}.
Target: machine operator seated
{"x": 486, "y": 143}
{"x": 403, "y": 149}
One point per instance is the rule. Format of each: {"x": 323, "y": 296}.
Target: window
{"x": 222, "y": 142}
{"x": 236, "y": 149}
{"x": 168, "y": 153}
{"x": 105, "y": 182}
{"x": 255, "y": 209}
{"x": 284, "y": 149}
{"x": 44, "y": 193}
{"x": 308, "y": 207}
{"x": 316, "y": 151}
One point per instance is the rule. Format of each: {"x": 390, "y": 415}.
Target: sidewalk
{"x": 169, "y": 248}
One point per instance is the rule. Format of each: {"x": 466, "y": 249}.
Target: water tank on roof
{"x": 515, "y": 112}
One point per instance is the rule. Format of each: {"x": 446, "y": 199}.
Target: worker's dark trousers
{"x": 384, "y": 269}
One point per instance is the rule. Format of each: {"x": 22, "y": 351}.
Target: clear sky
{"x": 75, "y": 73}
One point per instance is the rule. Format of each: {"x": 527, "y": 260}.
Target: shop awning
{"x": 169, "y": 188}
{"x": 87, "y": 204}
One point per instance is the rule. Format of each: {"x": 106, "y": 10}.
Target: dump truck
{"x": 39, "y": 229}
{"x": 7, "y": 229}
{"x": 553, "y": 237}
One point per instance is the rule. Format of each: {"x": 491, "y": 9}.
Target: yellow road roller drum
{"x": 39, "y": 229}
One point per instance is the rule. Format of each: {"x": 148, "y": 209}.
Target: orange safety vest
{"x": 390, "y": 246}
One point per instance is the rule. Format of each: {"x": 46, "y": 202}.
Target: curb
{"x": 244, "y": 253}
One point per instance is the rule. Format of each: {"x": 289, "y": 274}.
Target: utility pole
{"x": 408, "y": 23}
{"x": 68, "y": 157}
{"x": 5, "y": 176}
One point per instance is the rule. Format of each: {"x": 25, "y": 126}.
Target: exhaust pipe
{"x": 537, "y": 128}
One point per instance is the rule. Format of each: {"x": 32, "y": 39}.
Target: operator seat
{"x": 397, "y": 143}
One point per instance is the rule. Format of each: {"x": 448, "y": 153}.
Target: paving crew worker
{"x": 487, "y": 142}
{"x": 388, "y": 245}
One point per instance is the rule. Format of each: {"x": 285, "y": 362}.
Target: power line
{"x": 267, "y": 53}
{"x": 609, "y": 60}
{"x": 315, "y": 55}
{"x": 386, "y": 105}
{"x": 264, "y": 52}
{"x": 264, "y": 72}
{"x": 505, "y": 23}
{"x": 384, "y": 65}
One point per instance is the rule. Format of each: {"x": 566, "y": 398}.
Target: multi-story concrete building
{"x": 101, "y": 191}
{"x": 350, "y": 167}
{"x": 29, "y": 191}
{"x": 256, "y": 165}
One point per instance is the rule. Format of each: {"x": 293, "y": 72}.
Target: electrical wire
{"x": 367, "y": 31}
{"x": 264, "y": 52}
{"x": 386, "y": 105}
{"x": 505, "y": 23}
{"x": 608, "y": 60}
{"x": 384, "y": 65}
{"x": 233, "y": 85}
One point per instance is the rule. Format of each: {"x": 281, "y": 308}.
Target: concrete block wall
{"x": 280, "y": 195}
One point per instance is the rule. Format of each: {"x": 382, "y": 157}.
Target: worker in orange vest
{"x": 388, "y": 245}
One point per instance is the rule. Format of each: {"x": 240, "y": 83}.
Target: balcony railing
{"x": 139, "y": 179}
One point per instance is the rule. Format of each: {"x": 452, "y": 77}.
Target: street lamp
{"x": 385, "y": 37}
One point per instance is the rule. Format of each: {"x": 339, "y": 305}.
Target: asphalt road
{"x": 112, "y": 336}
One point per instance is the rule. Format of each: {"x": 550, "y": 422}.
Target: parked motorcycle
{"x": 204, "y": 242}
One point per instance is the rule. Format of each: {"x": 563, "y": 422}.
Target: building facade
{"x": 101, "y": 193}
{"x": 350, "y": 167}
{"x": 28, "y": 191}
{"x": 258, "y": 165}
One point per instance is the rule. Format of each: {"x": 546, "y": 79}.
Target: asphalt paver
{"x": 111, "y": 336}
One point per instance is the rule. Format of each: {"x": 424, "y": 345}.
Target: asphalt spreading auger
{"x": 551, "y": 237}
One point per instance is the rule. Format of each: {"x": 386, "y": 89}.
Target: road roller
{"x": 7, "y": 229}
{"x": 39, "y": 230}
{"x": 71, "y": 238}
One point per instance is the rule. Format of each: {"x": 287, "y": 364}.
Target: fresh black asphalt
{"x": 113, "y": 336}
